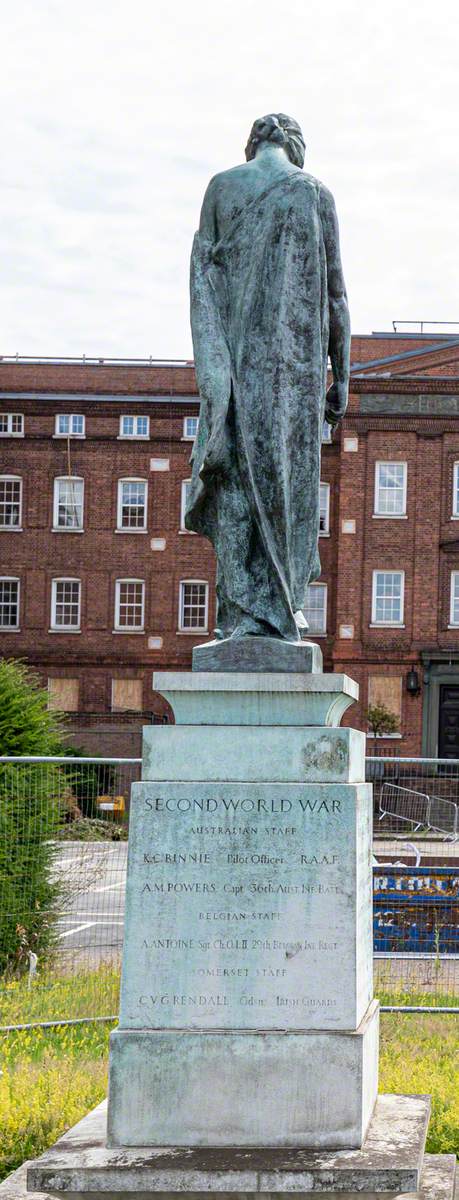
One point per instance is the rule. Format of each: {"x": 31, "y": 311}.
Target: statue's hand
{"x": 218, "y": 454}
{"x": 336, "y": 403}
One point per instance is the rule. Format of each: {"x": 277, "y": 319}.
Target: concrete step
{"x": 14, "y": 1187}
{"x": 438, "y": 1179}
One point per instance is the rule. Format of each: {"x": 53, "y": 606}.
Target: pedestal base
{"x": 276, "y": 1089}
{"x": 390, "y": 1162}
{"x": 439, "y": 1181}
{"x": 257, "y": 654}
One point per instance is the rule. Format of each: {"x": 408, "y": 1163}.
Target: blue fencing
{"x": 416, "y": 909}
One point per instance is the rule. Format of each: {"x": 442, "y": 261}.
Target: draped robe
{"x": 260, "y": 324}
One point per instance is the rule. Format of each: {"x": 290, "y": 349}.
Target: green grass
{"x": 420, "y": 1053}
{"x": 51, "y": 1078}
{"x": 426, "y": 999}
{"x": 96, "y": 993}
{"x": 53, "y": 997}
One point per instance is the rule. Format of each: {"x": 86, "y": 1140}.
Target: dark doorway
{"x": 448, "y": 732}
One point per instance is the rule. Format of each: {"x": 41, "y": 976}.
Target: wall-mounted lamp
{"x": 412, "y": 682}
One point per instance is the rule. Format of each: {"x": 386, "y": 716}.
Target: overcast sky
{"x": 116, "y": 114}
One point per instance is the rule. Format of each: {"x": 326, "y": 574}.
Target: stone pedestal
{"x": 246, "y": 1006}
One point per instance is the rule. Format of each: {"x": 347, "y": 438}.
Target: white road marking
{"x": 88, "y": 925}
{"x": 107, "y": 887}
{"x": 94, "y": 920}
{"x": 78, "y": 929}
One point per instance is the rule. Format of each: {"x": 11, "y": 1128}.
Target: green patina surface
{"x": 268, "y": 305}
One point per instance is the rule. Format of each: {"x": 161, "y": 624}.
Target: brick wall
{"x": 421, "y": 545}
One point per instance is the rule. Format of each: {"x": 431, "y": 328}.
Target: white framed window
{"x": 193, "y": 605}
{"x": 387, "y": 597}
{"x": 326, "y": 432}
{"x": 65, "y": 604}
{"x": 132, "y": 505}
{"x": 10, "y": 501}
{"x": 11, "y": 425}
{"x": 455, "y": 512}
{"x": 324, "y": 508}
{"x": 183, "y": 503}
{"x": 69, "y": 425}
{"x": 315, "y": 609}
{"x": 134, "y": 427}
{"x": 129, "y": 604}
{"x": 68, "y": 502}
{"x": 454, "y": 600}
{"x": 190, "y": 428}
{"x": 390, "y": 489}
{"x": 9, "y": 603}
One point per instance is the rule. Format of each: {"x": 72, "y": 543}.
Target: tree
{"x": 27, "y": 725}
{"x": 381, "y": 720}
{"x": 30, "y": 816}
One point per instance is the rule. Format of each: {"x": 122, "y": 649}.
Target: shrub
{"x": 29, "y": 821}
{"x": 94, "y": 829}
{"x": 27, "y": 725}
{"x": 381, "y": 720}
{"x": 29, "y": 818}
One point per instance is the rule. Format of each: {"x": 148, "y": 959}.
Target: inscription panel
{"x": 242, "y": 906}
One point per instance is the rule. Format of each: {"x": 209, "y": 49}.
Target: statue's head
{"x": 278, "y": 130}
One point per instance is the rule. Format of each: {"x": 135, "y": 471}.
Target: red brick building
{"x": 100, "y": 584}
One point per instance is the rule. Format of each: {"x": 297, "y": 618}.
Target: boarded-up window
{"x": 64, "y": 694}
{"x": 127, "y": 694}
{"x": 386, "y": 690}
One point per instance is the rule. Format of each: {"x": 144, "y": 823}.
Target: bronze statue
{"x": 268, "y": 305}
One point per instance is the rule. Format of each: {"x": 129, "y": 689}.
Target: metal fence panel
{"x": 64, "y": 945}
{"x": 416, "y": 906}
{"x": 399, "y": 784}
{"x": 403, "y": 805}
{"x": 61, "y": 937}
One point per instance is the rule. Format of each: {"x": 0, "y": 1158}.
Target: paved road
{"x": 401, "y": 849}
{"x": 92, "y": 917}
{"x": 436, "y": 976}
